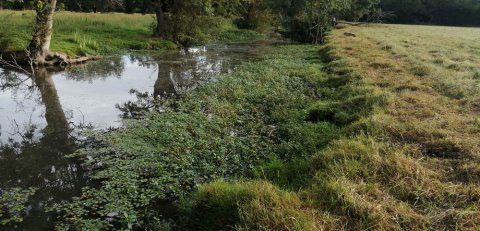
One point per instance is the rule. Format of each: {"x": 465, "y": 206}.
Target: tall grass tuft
{"x": 85, "y": 43}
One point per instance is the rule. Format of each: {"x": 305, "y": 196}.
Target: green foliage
{"x": 292, "y": 175}
{"x": 12, "y": 40}
{"x": 77, "y": 33}
{"x": 256, "y": 15}
{"x": 13, "y": 203}
{"x": 190, "y": 31}
{"x": 192, "y": 22}
{"x": 236, "y": 35}
{"x": 100, "y": 34}
{"x": 7, "y": 43}
{"x": 85, "y": 43}
{"x": 304, "y": 21}
{"x": 359, "y": 9}
{"x": 310, "y": 20}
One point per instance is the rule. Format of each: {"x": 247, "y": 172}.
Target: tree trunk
{"x": 42, "y": 35}
{"x": 160, "y": 30}
{"x": 1, "y": 4}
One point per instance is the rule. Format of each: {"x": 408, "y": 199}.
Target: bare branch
{"x": 13, "y": 63}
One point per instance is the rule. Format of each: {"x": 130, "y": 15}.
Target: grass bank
{"x": 359, "y": 134}
{"x": 100, "y": 34}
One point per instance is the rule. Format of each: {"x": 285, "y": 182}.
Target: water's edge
{"x": 40, "y": 117}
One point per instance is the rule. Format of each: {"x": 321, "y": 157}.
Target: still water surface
{"x": 40, "y": 116}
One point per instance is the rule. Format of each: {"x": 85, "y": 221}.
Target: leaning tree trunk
{"x": 42, "y": 35}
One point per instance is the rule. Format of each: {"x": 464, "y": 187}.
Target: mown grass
{"x": 91, "y": 33}
{"x": 429, "y": 121}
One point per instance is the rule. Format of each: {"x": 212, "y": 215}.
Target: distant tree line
{"x": 447, "y": 12}
{"x": 443, "y": 12}
{"x": 70, "y": 5}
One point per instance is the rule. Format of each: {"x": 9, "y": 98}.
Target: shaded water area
{"x": 41, "y": 116}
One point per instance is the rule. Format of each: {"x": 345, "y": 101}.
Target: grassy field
{"x": 422, "y": 168}
{"x": 90, "y": 33}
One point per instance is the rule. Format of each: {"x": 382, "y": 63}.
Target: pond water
{"x": 40, "y": 116}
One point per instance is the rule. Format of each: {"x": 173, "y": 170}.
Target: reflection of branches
{"x": 82, "y": 124}
{"x": 22, "y": 86}
{"x": 27, "y": 133}
{"x": 29, "y": 158}
{"x": 12, "y": 62}
{"x": 145, "y": 103}
{"x": 101, "y": 69}
{"x": 179, "y": 72}
{"x": 11, "y": 78}
{"x": 142, "y": 60}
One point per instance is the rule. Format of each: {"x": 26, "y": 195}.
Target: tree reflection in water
{"x": 178, "y": 72}
{"x": 98, "y": 70}
{"x": 35, "y": 155}
{"x": 41, "y": 163}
